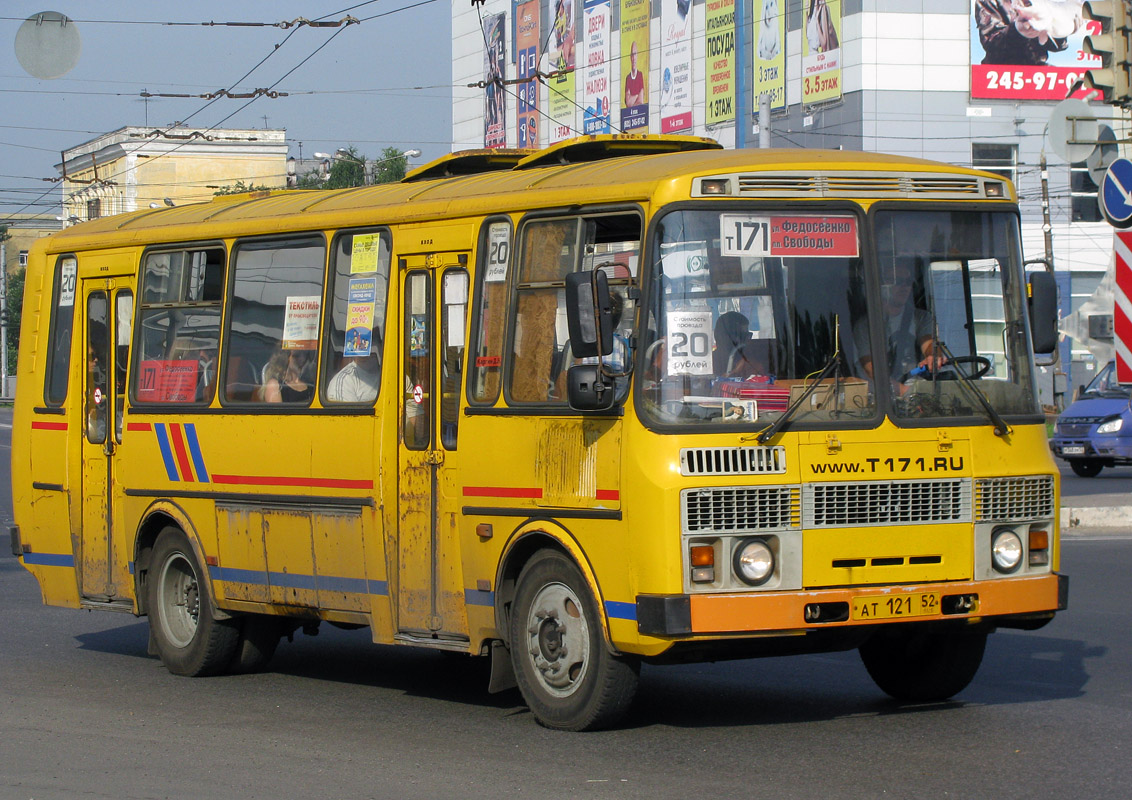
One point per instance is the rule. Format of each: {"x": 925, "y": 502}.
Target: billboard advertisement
{"x": 494, "y": 100}
{"x": 821, "y": 52}
{"x": 596, "y": 94}
{"x": 1027, "y": 49}
{"x": 675, "y": 65}
{"x": 560, "y": 84}
{"x": 634, "y": 65}
{"x": 719, "y": 49}
{"x": 526, "y": 58}
{"x": 770, "y": 52}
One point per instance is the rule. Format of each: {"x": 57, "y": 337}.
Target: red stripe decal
{"x": 48, "y": 426}
{"x": 608, "y": 494}
{"x": 317, "y": 483}
{"x": 182, "y": 455}
{"x": 138, "y": 426}
{"x": 502, "y": 491}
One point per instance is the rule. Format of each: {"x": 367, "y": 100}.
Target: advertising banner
{"x": 821, "y": 52}
{"x": 770, "y": 53}
{"x": 1027, "y": 50}
{"x": 494, "y": 59}
{"x": 675, "y": 65}
{"x": 560, "y": 87}
{"x": 526, "y": 45}
{"x": 596, "y": 94}
{"x": 719, "y": 42}
{"x": 634, "y": 65}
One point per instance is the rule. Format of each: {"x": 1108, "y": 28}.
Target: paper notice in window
{"x": 300, "y": 325}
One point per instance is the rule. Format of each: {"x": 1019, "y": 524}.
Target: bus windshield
{"x": 756, "y": 312}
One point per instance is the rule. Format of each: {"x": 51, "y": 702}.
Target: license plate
{"x": 896, "y": 605}
{"x": 1073, "y": 450}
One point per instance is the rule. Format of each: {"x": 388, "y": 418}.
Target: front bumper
{"x": 791, "y": 612}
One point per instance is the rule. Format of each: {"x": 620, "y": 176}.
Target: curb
{"x": 1077, "y": 517}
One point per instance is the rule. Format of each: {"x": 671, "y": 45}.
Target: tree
{"x": 239, "y": 187}
{"x": 346, "y": 170}
{"x": 15, "y": 308}
{"x": 391, "y": 167}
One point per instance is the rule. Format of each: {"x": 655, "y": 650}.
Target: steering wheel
{"x": 984, "y": 366}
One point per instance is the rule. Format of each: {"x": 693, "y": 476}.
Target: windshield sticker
{"x": 813, "y": 237}
{"x": 363, "y": 255}
{"x": 499, "y": 249}
{"x": 689, "y": 343}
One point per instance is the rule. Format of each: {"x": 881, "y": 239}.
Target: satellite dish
{"x": 48, "y": 45}
{"x": 1073, "y": 139}
{"x": 1103, "y": 154}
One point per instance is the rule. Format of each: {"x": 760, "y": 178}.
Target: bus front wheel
{"x": 189, "y": 639}
{"x": 569, "y": 678}
{"x": 920, "y": 665}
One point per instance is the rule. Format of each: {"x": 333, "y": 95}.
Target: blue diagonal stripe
{"x": 166, "y": 450}
{"x": 194, "y": 448}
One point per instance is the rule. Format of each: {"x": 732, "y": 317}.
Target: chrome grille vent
{"x": 742, "y": 509}
{"x": 1077, "y": 426}
{"x": 732, "y": 460}
{"x": 841, "y": 505}
{"x": 879, "y": 184}
{"x": 1014, "y": 499}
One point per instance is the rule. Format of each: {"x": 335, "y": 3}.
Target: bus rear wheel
{"x": 569, "y": 678}
{"x": 918, "y": 665}
{"x": 189, "y": 639}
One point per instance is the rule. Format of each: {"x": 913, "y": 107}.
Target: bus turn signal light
{"x": 703, "y": 563}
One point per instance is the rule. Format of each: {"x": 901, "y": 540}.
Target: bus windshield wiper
{"x": 1000, "y": 426}
{"x": 770, "y": 430}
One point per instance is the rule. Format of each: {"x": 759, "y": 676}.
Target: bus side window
{"x": 355, "y": 324}
{"x": 486, "y": 367}
{"x": 62, "y": 324}
{"x": 273, "y": 333}
{"x": 179, "y": 332}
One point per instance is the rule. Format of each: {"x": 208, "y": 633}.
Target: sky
{"x": 385, "y": 82}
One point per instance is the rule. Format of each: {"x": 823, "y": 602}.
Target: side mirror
{"x": 589, "y": 314}
{"x": 588, "y": 390}
{"x": 1042, "y": 295}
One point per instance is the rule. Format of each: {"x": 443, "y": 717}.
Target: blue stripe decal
{"x": 50, "y": 559}
{"x": 194, "y": 448}
{"x": 289, "y": 580}
{"x": 617, "y": 610}
{"x": 166, "y": 451}
{"x": 474, "y": 597}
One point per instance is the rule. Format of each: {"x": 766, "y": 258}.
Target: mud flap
{"x": 502, "y": 674}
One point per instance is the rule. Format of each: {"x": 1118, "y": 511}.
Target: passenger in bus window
{"x": 287, "y": 378}
{"x": 206, "y": 375}
{"x": 357, "y": 381}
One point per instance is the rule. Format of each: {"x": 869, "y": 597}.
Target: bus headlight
{"x": 753, "y": 562}
{"x": 1006, "y": 551}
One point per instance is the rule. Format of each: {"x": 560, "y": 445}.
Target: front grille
{"x": 842, "y": 505}
{"x": 744, "y": 509}
{"x": 1014, "y": 499}
{"x": 1077, "y": 426}
{"x": 732, "y": 460}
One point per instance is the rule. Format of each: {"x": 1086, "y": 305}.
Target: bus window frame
{"x": 330, "y": 278}
{"x": 581, "y": 214}
{"x": 483, "y": 245}
{"x": 51, "y": 349}
{"x": 253, "y": 406}
{"x": 146, "y": 407}
{"x": 646, "y": 274}
{"x": 873, "y": 274}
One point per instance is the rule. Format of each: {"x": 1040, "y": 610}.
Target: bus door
{"x": 430, "y": 594}
{"x": 109, "y": 306}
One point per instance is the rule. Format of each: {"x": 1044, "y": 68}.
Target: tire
{"x": 1086, "y": 467}
{"x": 918, "y": 665}
{"x": 569, "y": 678}
{"x": 189, "y": 640}
{"x": 259, "y": 636}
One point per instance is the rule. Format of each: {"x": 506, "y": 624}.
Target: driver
{"x": 908, "y": 337}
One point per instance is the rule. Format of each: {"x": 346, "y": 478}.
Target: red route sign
{"x": 813, "y": 236}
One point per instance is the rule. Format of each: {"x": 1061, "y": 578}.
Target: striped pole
{"x": 1122, "y": 308}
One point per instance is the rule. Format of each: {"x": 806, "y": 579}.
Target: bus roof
{"x": 637, "y": 177}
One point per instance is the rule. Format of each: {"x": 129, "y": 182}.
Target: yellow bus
{"x": 623, "y": 400}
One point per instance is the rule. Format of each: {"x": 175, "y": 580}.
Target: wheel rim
{"x": 558, "y": 640}
{"x": 179, "y": 595}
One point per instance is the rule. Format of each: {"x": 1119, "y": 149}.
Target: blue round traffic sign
{"x": 1116, "y": 193}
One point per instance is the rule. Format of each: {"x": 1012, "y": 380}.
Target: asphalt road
{"x": 84, "y": 712}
